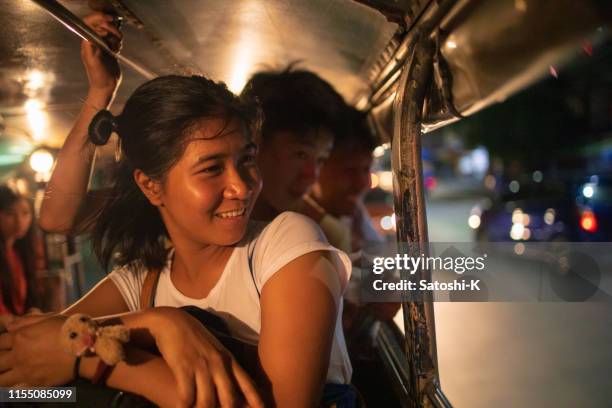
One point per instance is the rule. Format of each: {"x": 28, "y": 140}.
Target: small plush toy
{"x": 80, "y": 335}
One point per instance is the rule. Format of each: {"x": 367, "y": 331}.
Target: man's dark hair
{"x": 296, "y": 100}
{"x": 357, "y": 134}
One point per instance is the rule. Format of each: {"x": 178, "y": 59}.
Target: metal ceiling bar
{"x": 388, "y": 75}
{"x": 77, "y": 26}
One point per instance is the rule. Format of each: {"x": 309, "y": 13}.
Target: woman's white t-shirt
{"x": 235, "y": 297}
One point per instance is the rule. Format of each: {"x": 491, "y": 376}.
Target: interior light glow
{"x": 37, "y": 118}
{"x": 474, "y": 221}
{"x": 379, "y": 151}
{"x": 41, "y": 161}
{"x": 385, "y": 180}
{"x": 373, "y": 180}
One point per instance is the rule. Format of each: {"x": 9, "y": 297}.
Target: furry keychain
{"x": 81, "y": 335}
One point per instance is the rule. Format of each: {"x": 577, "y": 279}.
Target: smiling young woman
{"x": 179, "y": 207}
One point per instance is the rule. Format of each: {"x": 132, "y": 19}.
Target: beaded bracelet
{"x": 77, "y": 368}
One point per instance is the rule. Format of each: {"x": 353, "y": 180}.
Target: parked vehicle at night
{"x": 547, "y": 211}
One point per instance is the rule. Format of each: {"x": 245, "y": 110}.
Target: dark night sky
{"x": 551, "y": 119}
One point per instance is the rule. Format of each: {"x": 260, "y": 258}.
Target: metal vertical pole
{"x": 412, "y": 236}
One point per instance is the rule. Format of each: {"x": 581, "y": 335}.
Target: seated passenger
{"x": 340, "y": 189}
{"x": 302, "y": 116}
{"x": 17, "y": 253}
{"x": 342, "y": 184}
{"x": 345, "y": 178}
{"x": 188, "y": 175}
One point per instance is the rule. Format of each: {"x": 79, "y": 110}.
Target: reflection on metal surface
{"x": 489, "y": 61}
{"x": 243, "y": 52}
{"x": 37, "y": 118}
{"x": 388, "y": 342}
{"x": 529, "y": 40}
{"x": 76, "y": 25}
{"x": 35, "y": 81}
{"x": 402, "y": 12}
{"x": 224, "y": 40}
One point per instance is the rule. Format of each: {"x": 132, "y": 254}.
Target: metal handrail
{"x": 77, "y": 26}
{"x": 395, "y": 361}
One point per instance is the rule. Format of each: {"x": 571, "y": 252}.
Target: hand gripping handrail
{"x": 77, "y": 26}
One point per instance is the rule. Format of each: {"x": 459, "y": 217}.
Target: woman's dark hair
{"x": 24, "y": 247}
{"x": 153, "y": 129}
{"x": 296, "y": 100}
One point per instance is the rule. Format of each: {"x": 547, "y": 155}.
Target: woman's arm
{"x": 299, "y": 305}
{"x": 67, "y": 208}
{"x": 200, "y": 368}
{"x": 33, "y": 355}
{"x": 142, "y": 373}
{"x": 103, "y": 300}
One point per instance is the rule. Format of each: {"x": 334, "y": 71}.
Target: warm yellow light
{"x": 33, "y": 105}
{"x": 517, "y": 216}
{"x": 240, "y": 71}
{"x": 526, "y": 220}
{"x": 41, "y": 161}
{"x": 517, "y": 231}
{"x": 35, "y": 80}
{"x": 385, "y": 180}
{"x": 373, "y": 180}
{"x": 37, "y": 118}
{"x": 549, "y": 216}
{"x": 474, "y": 221}
{"x": 21, "y": 185}
{"x": 379, "y": 151}
{"x": 526, "y": 233}
{"x": 242, "y": 57}
{"x": 520, "y": 5}
{"x": 519, "y": 248}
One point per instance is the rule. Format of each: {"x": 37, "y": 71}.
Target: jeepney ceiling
{"x": 42, "y": 82}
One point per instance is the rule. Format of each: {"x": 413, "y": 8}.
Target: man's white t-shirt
{"x": 235, "y": 297}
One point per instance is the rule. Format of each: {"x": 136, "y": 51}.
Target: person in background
{"x": 17, "y": 253}
{"x": 340, "y": 190}
{"x": 303, "y": 114}
{"x": 345, "y": 179}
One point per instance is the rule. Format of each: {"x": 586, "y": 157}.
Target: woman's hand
{"x": 200, "y": 363}
{"x": 102, "y": 69}
{"x": 33, "y": 355}
{"x": 13, "y": 323}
